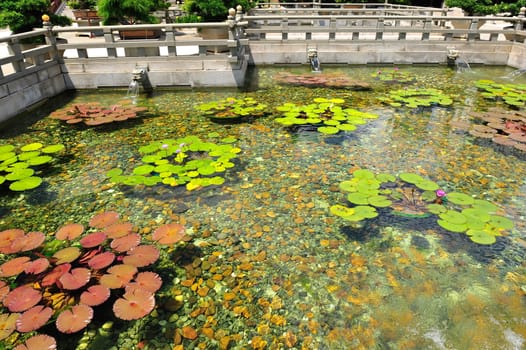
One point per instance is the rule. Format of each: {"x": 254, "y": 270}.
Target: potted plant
{"x": 132, "y": 12}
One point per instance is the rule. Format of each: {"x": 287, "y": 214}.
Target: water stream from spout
{"x": 133, "y": 89}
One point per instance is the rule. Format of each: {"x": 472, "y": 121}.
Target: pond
{"x": 266, "y": 263}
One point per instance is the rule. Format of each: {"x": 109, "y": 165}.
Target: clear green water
{"x": 295, "y": 276}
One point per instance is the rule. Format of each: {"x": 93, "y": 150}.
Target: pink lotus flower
{"x": 33, "y": 318}
{"x": 440, "y": 193}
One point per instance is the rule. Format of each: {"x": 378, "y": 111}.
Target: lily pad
{"x": 481, "y": 237}
{"x": 27, "y": 183}
{"x": 451, "y": 226}
{"x": 411, "y": 178}
{"x": 460, "y": 198}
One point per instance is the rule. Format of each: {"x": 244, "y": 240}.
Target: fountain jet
{"x": 314, "y": 61}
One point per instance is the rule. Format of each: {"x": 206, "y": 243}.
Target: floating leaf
{"x": 92, "y": 240}
{"x": 118, "y": 276}
{"x": 22, "y": 298}
{"x": 379, "y": 201}
{"x": 411, "y": 178}
{"x": 34, "y": 318}
{"x": 14, "y": 266}
{"x": 27, "y": 183}
{"x": 169, "y": 233}
{"x": 38, "y": 342}
{"x": 141, "y": 256}
{"x": 95, "y": 295}
{"x": 358, "y": 198}
{"x": 74, "y": 319}
{"x": 501, "y": 222}
{"x": 104, "y": 219}
{"x": 66, "y": 255}
{"x": 76, "y": 278}
{"x": 134, "y": 304}
{"x": 32, "y": 147}
{"x": 149, "y": 281}
{"x": 69, "y": 232}
{"x": 481, "y": 237}
{"x": 7, "y": 324}
{"x": 451, "y": 226}
{"x": 101, "y": 260}
{"x": 125, "y": 243}
{"x": 460, "y": 198}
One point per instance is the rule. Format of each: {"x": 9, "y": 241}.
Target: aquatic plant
{"x": 506, "y": 128}
{"x": 93, "y": 114}
{"x": 20, "y": 167}
{"x": 394, "y": 76}
{"x": 514, "y": 95}
{"x": 61, "y": 278}
{"x": 232, "y": 108}
{"x": 186, "y": 161}
{"x": 411, "y": 195}
{"x": 414, "y": 98}
{"x": 315, "y": 80}
{"x": 327, "y": 115}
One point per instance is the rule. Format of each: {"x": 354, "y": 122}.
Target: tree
{"x": 485, "y": 7}
{"x": 214, "y": 10}
{"x": 24, "y": 15}
{"x": 129, "y": 11}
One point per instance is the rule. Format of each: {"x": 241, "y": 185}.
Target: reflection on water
{"x": 281, "y": 271}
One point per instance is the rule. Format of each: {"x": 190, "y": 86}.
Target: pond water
{"x": 269, "y": 266}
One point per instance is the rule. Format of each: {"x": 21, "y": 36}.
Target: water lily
{"x": 440, "y": 193}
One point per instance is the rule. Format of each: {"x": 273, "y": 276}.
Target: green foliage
{"x": 186, "y": 161}
{"x": 485, "y": 7}
{"x": 514, "y": 95}
{"x": 129, "y": 11}
{"x": 24, "y": 15}
{"x": 19, "y": 167}
{"x": 232, "y": 108}
{"x": 411, "y": 195}
{"x": 326, "y": 114}
{"x": 414, "y": 98}
{"x": 214, "y": 10}
{"x": 82, "y": 4}
{"x": 394, "y": 76}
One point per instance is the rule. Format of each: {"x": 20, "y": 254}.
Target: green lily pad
{"x": 31, "y": 147}
{"x": 27, "y": 183}
{"x": 427, "y": 185}
{"x": 481, "y": 237}
{"x": 436, "y": 208}
{"x": 453, "y": 217}
{"x": 341, "y": 210}
{"x": 348, "y": 186}
{"x": 363, "y": 174}
{"x": 39, "y": 160}
{"x": 451, "y": 226}
{"x": 485, "y": 205}
{"x": 384, "y": 177}
{"x": 379, "y": 201}
{"x": 411, "y": 178}
{"x": 501, "y": 222}
{"x": 460, "y": 198}
{"x": 114, "y": 172}
{"x": 7, "y": 155}
{"x": 329, "y": 130}
{"x": 143, "y": 169}
{"x": 19, "y": 174}
{"x": 28, "y": 155}
{"x": 53, "y": 148}
{"x": 358, "y": 198}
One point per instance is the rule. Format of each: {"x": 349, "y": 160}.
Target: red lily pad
{"x": 37, "y": 266}
{"x": 69, "y": 232}
{"x": 74, "y": 319}
{"x": 14, "y": 266}
{"x": 125, "y": 243}
{"x": 7, "y": 237}
{"x": 101, "y": 260}
{"x": 7, "y": 324}
{"x": 95, "y": 295}
{"x": 33, "y": 318}
{"x": 55, "y": 274}
{"x": 74, "y": 279}
{"x": 134, "y": 304}
{"x": 104, "y": 219}
{"x": 147, "y": 280}
{"x": 119, "y": 230}
{"x": 22, "y": 298}
{"x": 92, "y": 240}
{"x": 38, "y": 342}
{"x": 118, "y": 276}
{"x": 66, "y": 255}
{"x": 141, "y": 256}
{"x": 4, "y": 290}
{"x": 169, "y": 233}
{"x": 28, "y": 242}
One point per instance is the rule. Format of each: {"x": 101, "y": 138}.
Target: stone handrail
{"x": 371, "y": 27}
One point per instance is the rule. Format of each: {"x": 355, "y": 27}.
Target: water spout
{"x": 515, "y": 74}
{"x": 462, "y": 65}
{"x": 133, "y": 89}
{"x": 139, "y": 77}
{"x": 314, "y": 60}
